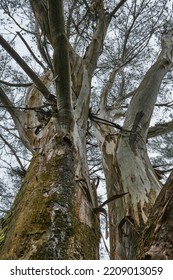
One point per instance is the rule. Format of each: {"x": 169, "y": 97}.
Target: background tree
{"x": 88, "y": 108}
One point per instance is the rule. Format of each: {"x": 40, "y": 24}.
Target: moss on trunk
{"x": 45, "y": 220}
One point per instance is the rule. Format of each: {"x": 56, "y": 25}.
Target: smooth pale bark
{"x": 126, "y": 164}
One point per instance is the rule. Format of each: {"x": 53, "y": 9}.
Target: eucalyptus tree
{"x": 94, "y": 98}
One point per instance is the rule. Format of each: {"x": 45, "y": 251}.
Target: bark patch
{"x": 134, "y": 131}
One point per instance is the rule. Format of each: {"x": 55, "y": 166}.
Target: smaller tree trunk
{"x": 126, "y": 164}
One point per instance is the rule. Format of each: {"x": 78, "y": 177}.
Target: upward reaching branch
{"x": 120, "y": 4}
{"x": 142, "y": 104}
{"x": 61, "y": 56}
{"x": 40, "y": 10}
{"x": 7, "y": 103}
{"x": 17, "y": 117}
{"x": 96, "y": 45}
{"x": 27, "y": 69}
{"x": 107, "y": 88}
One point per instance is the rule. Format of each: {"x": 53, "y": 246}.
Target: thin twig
{"x": 29, "y": 49}
{"x": 16, "y": 85}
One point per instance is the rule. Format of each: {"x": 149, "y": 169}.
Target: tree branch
{"x": 142, "y": 104}
{"x": 15, "y": 85}
{"x": 108, "y": 86}
{"x": 160, "y": 129}
{"x": 40, "y": 10}
{"x": 95, "y": 47}
{"x": 17, "y": 118}
{"x": 42, "y": 88}
{"x": 31, "y": 52}
{"x": 121, "y": 3}
{"x": 5, "y": 7}
{"x": 8, "y": 104}
{"x": 13, "y": 151}
{"x": 60, "y": 57}
{"x": 168, "y": 104}
{"x": 42, "y": 46}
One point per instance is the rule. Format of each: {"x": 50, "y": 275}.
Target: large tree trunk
{"x": 126, "y": 164}
{"x": 52, "y": 216}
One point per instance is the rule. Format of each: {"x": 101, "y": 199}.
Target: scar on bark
{"x": 134, "y": 132}
{"x": 131, "y": 222}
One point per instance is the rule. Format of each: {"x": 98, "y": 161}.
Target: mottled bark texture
{"x": 52, "y": 216}
{"x": 126, "y": 164}
{"x": 156, "y": 242}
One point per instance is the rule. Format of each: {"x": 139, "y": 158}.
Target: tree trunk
{"x": 156, "y": 242}
{"x": 52, "y": 216}
{"x": 126, "y": 164}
